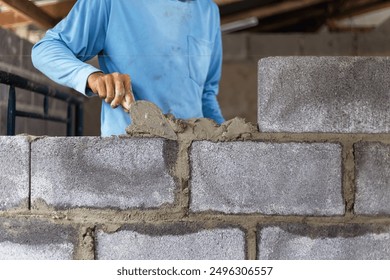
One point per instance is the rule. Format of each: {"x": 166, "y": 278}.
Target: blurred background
{"x": 252, "y": 29}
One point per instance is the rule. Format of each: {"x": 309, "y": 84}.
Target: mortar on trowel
{"x": 147, "y": 117}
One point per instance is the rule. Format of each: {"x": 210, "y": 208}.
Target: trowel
{"x": 147, "y": 117}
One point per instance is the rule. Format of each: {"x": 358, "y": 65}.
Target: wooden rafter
{"x": 224, "y": 2}
{"x": 58, "y": 11}
{"x": 358, "y": 8}
{"x": 29, "y": 10}
{"x": 335, "y": 26}
{"x": 297, "y": 15}
{"x": 273, "y": 15}
{"x": 274, "y": 8}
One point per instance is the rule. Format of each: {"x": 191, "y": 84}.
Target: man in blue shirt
{"x": 168, "y": 52}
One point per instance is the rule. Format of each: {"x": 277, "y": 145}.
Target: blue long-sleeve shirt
{"x": 170, "y": 48}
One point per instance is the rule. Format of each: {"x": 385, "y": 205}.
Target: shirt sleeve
{"x": 80, "y": 36}
{"x": 210, "y": 104}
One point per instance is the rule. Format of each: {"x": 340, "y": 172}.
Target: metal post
{"x": 69, "y": 122}
{"x": 74, "y": 120}
{"x": 11, "y": 114}
{"x": 46, "y": 106}
{"x": 79, "y": 119}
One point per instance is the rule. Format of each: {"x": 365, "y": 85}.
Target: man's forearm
{"x": 57, "y": 62}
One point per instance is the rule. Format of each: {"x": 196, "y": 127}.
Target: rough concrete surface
{"x": 10, "y": 45}
{"x": 372, "y": 178}
{"x": 268, "y": 178}
{"x": 103, "y": 172}
{"x": 346, "y": 242}
{"x": 14, "y": 175}
{"x": 211, "y": 244}
{"x": 373, "y": 44}
{"x": 22, "y": 239}
{"x": 281, "y": 45}
{"x": 239, "y": 79}
{"x": 324, "y": 94}
{"x": 327, "y": 44}
{"x": 235, "y": 47}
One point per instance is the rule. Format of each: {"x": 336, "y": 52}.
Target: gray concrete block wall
{"x": 174, "y": 242}
{"x": 334, "y": 44}
{"x": 319, "y": 192}
{"x": 303, "y": 242}
{"x": 321, "y": 94}
{"x": 267, "y": 178}
{"x": 10, "y": 46}
{"x": 15, "y": 172}
{"x": 33, "y": 239}
{"x": 103, "y": 172}
{"x": 372, "y": 178}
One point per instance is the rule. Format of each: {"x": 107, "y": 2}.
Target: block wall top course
{"x": 267, "y": 178}
{"x": 14, "y": 175}
{"x": 324, "y": 94}
{"x": 103, "y": 172}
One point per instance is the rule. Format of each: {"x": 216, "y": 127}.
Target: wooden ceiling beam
{"x": 272, "y": 10}
{"x": 11, "y": 19}
{"x": 58, "y": 11}
{"x": 335, "y": 26}
{"x": 359, "y": 7}
{"x": 29, "y": 10}
{"x": 225, "y": 2}
{"x": 288, "y": 22}
{"x": 293, "y": 15}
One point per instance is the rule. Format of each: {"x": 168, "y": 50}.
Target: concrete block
{"x": 3, "y": 118}
{"x": 373, "y": 44}
{"x": 58, "y": 108}
{"x": 304, "y": 242}
{"x": 23, "y": 97}
{"x": 173, "y": 242}
{"x": 37, "y": 100}
{"x": 14, "y": 175}
{"x": 10, "y": 47}
{"x": 21, "y": 126}
{"x": 26, "y": 56}
{"x": 56, "y": 129}
{"x": 103, "y": 172}
{"x": 235, "y": 47}
{"x": 324, "y": 94}
{"x": 239, "y": 79}
{"x": 31, "y": 126}
{"x": 92, "y": 108}
{"x": 4, "y": 94}
{"x": 372, "y": 178}
{"x": 384, "y": 28}
{"x": 329, "y": 44}
{"x": 31, "y": 239}
{"x": 267, "y": 178}
{"x": 274, "y": 45}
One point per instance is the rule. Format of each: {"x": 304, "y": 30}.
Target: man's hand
{"x": 114, "y": 88}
